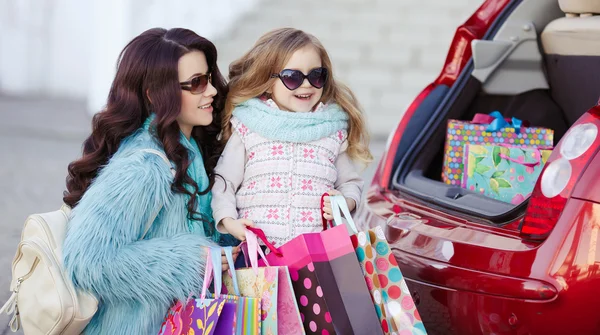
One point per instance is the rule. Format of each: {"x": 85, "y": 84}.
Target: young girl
{"x": 292, "y": 133}
{"x": 166, "y": 98}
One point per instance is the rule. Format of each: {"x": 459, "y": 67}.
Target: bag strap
{"x": 261, "y": 234}
{"x": 231, "y": 263}
{"x": 217, "y": 270}
{"x": 338, "y": 204}
{"x": 252, "y": 250}
{"x": 166, "y": 160}
{"x": 526, "y": 164}
{"x": 213, "y": 270}
{"x": 207, "y": 274}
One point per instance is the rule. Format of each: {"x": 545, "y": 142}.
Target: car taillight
{"x": 458, "y": 56}
{"x": 558, "y": 178}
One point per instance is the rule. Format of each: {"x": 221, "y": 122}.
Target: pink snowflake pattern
{"x": 276, "y": 182}
{"x": 309, "y": 153}
{"x": 246, "y": 214}
{"x": 340, "y": 135}
{"x": 252, "y": 185}
{"x": 273, "y": 214}
{"x": 307, "y": 184}
{"x": 251, "y": 155}
{"x": 243, "y": 130}
{"x": 277, "y": 150}
{"x": 306, "y": 216}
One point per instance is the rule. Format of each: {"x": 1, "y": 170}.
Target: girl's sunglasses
{"x": 292, "y": 79}
{"x": 198, "y": 84}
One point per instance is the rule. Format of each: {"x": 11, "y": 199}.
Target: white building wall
{"x": 385, "y": 50}
{"x": 69, "y": 48}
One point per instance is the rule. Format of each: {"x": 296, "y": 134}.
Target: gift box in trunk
{"x": 502, "y": 172}
{"x": 490, "y": 129}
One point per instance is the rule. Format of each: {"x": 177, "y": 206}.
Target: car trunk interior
{"x": 559, "y": 85}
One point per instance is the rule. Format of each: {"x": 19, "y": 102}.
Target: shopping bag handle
{"x": 261, "y": 234}
{"x": 326, "y": 223}
{"x": 207, "y": 274}
{"x": 526, "y": 164}
{"x": 231, "y": 263}
{"x": 213, "y": 267}
{"x": 338, "y": 203}
{"x": 253, "y": 250}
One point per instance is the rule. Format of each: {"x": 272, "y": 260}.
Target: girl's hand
{"x": 235, "y": 252}
{"x": 237, "y": 228}
{"x": 327, "y": 212}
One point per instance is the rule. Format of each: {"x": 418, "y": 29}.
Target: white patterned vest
{"x": 284, "y": 181}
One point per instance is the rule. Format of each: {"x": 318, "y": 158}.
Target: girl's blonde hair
{"x": 250, "y": 77}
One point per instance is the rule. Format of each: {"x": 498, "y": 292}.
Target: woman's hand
{"x": 237, "y": 228}
{"x": 235, "y": 252}
{"x": 327, "y": 212}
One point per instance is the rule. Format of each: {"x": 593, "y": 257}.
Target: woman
{"x": 167, "y": 96}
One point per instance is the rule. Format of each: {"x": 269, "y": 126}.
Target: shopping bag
{"x": 259, "y": 283}
{"x": 247, "y": 315}
{"x": 392, "y": 299}
{"x": 288, "y": 312}
{"x": 506, "y": 173}
{"x": 366, "y": 257}
{"x": 488, "y": 129}
{"x": 279, "y": 311}
{"x": 331, "y": 293}
{"x": 202, "y": 315}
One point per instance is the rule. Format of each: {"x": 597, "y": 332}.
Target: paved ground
{"x": 38, "y": 139}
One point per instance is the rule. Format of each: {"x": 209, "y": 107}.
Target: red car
{"x": 476, "y": 265}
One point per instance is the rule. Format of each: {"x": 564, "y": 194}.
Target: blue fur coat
{"x": 135, "y": 280}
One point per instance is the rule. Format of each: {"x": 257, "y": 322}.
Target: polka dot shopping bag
{"x": 332, "y": 295}
{"x": 391, "y": 297}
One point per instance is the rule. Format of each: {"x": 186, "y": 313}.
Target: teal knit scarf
{"x": 276, "y": 124}
{"x": 197, "y": 172}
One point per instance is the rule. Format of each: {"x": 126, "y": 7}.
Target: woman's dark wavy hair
{"x": 148, "y": 66}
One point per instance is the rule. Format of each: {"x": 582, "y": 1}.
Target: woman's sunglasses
{"x": 292, "y": 79}
{"x": 198, "y": 84}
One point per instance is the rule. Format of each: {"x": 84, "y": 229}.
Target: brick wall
{"x": 385, "y": 50}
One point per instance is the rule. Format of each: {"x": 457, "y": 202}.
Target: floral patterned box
{"x": 506, "y": 173}
{"x": 460, "y": 133}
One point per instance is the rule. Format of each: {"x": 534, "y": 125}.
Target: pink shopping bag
{"x": 331, "y": 293}
{"x": 280, "y": 314}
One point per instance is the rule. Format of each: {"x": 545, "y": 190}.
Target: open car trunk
{"x": 547, "y": 90}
